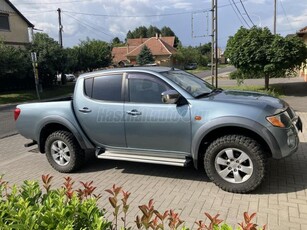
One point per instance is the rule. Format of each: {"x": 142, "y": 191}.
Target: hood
{"x": 249, "y": 98}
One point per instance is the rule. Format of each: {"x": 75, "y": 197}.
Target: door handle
{"x": 85, "y": 110}
{"x": 134, "y": 112}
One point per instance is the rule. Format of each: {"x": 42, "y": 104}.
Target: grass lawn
{"x": 204, "y": 68}
{"x": 30, "y": 95}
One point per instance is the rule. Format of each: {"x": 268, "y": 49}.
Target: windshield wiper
{"x": 216, "y": 90}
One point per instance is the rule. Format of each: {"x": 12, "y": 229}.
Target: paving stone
{"x": 280, "y": 202}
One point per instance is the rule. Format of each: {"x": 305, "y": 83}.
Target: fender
{"x": 232, "y": 121}
{"x": 76, "y": 131}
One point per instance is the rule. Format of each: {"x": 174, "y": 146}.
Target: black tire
{"x": 235, "y": 163}
{"x": 63, "y": 152}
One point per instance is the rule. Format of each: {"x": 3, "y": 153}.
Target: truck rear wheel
{"x": 235, "y": 163}
{"x": 63, "y": 152}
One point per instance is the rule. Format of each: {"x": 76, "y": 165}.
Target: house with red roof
{"x": 162, "y": 48}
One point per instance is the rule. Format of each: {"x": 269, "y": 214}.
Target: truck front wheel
{"x": 63, "y": 152}
{"x": 235, "y": 163}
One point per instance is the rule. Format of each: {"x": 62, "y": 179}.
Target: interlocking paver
{"x": 280, "y": 202}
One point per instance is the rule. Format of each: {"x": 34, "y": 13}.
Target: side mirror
{"x": 170, "y": 96}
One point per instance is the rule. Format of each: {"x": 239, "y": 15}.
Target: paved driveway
{"x": 281, "y": 201}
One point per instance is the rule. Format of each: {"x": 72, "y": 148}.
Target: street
{"x": 7, "y": 123}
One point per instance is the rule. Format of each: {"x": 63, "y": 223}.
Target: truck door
{"x": 99, "y": 108}
{"x": 151, "y": 124}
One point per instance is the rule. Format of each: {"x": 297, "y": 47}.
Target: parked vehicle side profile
{"x": 165, "y": 116}
{"x": 69, "y": 77}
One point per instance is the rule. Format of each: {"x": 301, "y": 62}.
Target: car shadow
{"x": 283, "y": 176}
{"x": 155, "y": 170}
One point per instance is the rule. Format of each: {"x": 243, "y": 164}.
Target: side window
{"x": 107, "y": 88}
{"x": 146, "y": 89}
{"x": 4, "y": 22}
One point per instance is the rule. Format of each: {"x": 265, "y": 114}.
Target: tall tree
{"x": 167, "y": 32}
{"x": 259, "y": 52}
{"x": 145, "y": 56}
{"x": 116, "y": 41}
{"x": 140, "y": 32}
{"x": 152, "y": 31}
{"x": 15, "y": 68}
{"x": 186, "y": 55}
{"x": 94, "y": 54}
{"x": 51, "y": 57}
{"x": 143, "y": 32}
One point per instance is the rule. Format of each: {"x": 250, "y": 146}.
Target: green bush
{"x": 29, "y": 208}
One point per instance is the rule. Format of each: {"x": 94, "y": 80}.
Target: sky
{"x": 190, "y": 20}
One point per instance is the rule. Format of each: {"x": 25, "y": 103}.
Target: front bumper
{"x": 288, "y": 138}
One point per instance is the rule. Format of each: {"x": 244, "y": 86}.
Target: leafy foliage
{"x": 51, "y": 58}
{"x": 145, "y": 56}
{"x": 65, "y": 208}
{"x": 191, "y": 54}
{"x": 93, "y": 54}
{"x": 259, "y": 52}
{"x": 28, "y": 207}
{"x": 15, "y": 67}
{"x": 151, "y": 31}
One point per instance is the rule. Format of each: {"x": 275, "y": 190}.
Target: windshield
{"x": 190, "y": 83}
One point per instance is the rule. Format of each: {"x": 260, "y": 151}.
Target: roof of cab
{"x": 153, "y": 69}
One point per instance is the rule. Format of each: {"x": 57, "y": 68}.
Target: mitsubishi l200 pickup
{"x": 167, "y": 116}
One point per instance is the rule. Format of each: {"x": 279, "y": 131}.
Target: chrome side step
{"x": 144, "y": 159}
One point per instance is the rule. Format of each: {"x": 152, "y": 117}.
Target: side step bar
{"x": 145, "y": 159}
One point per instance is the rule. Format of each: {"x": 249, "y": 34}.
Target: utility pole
{"x": 60, "y": 28}
{"x": 34, "y": 65}
{"x": 214, "y": 44}
{"x": 274, "y": 17}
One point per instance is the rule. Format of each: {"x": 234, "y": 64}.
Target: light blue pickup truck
{"x": 165, "y": 116}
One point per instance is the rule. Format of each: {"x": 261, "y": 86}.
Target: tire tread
{"x": 249, "y": 143}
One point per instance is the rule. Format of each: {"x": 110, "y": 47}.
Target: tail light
{"x": 16, "y": 113}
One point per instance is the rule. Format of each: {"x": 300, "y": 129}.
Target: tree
{"x": 116, "y": 42}
{"x": 205, "y": 49}
{"x": 15, "y": 68}
{"x": 93, "y": 54}
{"x": 13, "y": 60}
{"x": 151, "y": 31}
{"x": 167, "y": 32}
{"x": 258, "y": 52}
{"x": 186, "y": 55}
{"x": 145, "y": 56}
{"x": 51, "y": 58}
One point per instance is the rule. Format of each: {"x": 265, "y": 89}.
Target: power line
{"x": 240, "y": 12}
{"x": 50, "y": 3}
{"x": 87, "y": 25}
{"x": 133, "y": 16}
{"x": 247, "y": 13}
{"x": 235, "y": 12}
{"x": 283, "y": 9}
{"x": 38, "y": 12}
{"x": 148, "y": 15}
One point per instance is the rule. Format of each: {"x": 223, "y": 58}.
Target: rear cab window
{"x": 105, "y": 88}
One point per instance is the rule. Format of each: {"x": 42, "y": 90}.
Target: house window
{"x": 4, "y": 22}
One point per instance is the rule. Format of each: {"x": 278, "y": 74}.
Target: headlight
{"x": 281, "y": 120}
